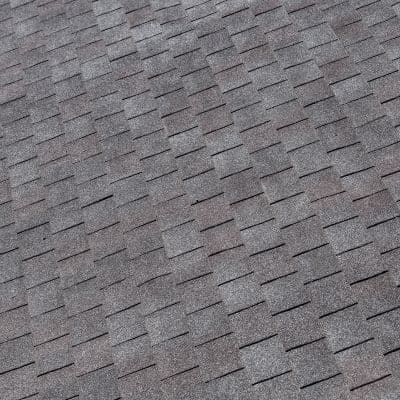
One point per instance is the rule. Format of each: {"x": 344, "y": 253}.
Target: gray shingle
{"x": 199, "y": 200}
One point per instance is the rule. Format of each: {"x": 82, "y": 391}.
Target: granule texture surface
{"x": 199, "y": 199}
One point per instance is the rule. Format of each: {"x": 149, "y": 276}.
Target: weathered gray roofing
{"x": 199, "y": 199}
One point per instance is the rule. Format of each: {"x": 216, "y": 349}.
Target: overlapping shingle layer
{"x": 199, "y": 199}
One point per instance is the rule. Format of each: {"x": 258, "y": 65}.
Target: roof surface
{"x": 199, "y": 200}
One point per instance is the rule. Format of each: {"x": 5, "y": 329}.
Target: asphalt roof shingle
{"x": 199, "y": 199}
